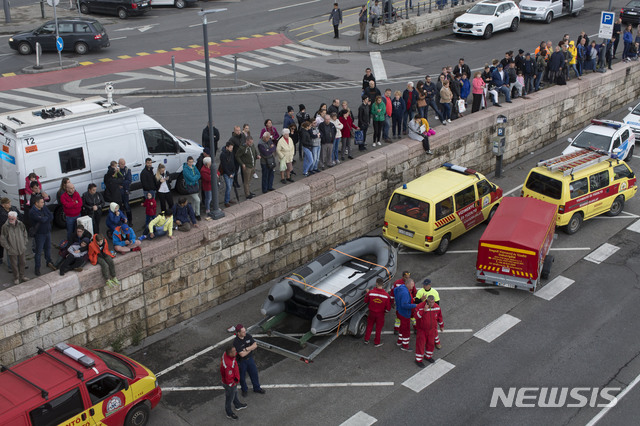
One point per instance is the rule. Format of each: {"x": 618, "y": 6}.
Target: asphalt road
{"x": 586, "y": 336}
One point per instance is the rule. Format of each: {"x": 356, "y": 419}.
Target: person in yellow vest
{"x": 422, "y": 295}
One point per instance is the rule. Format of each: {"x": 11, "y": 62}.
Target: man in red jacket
{"x": 379, "y": 304}
{"x": 72, "y": 206}
{"x": 230, "y": 377}
{"x": 428, "y": 318}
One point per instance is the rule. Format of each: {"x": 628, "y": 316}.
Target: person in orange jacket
{"x": 99, "y": 253}
{"x": 230, "y": 375}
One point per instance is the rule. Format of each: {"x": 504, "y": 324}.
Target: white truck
{"x": 78, "y": 140}
{"x": 548, "y": 10}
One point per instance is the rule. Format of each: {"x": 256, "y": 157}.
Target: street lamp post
{"x": 216, "y": 212}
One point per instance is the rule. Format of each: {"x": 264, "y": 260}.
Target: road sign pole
{"x": 55, "y": 18}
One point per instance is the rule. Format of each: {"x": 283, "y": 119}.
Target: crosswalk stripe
{"x": 23, "y": 99}
{"x": 168, "y": 71}
{"x": 263, "y": 58}
{"x": 219, "y": 61}
{"x": 35, "y": 92}
{"x": 10, "y": 107}
{"x": 279, "y": 55}
{"x": 496, "y": 328}
{"x": 248, "y": 62}
{"x": 213, "y": 68}
{"x": 293, "y": 52}
{"x": 308, "y": 49}
{"x": 191, "y": 70}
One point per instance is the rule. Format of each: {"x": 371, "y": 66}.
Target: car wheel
{"x": 514, "y": 25}
{"x": 491, "y": 213}
{"x": 81, "y": 48}
{"x": 575, "y": 14}
{"x": 84, "y": 8}
{"x": 616, "y": 206}
{"x": 444, "y": 245}
{"x": 138, "y": 416}
{"x": 546, "y": 267}
{"x": 548, "y": 18}
{"x": 361, "y": 327}
{"x": 574, "y": 224}
{"x": 25, "y": 48}
{"x": 488, "y": 32}
{"x": 629, "y": 156}
{"x": 122, "y": 13}
{"x": 59, "y": 218}
{"x": 180, "y": 4}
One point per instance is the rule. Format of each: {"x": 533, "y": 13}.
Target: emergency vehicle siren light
{"x": 607, "y": 123}
{"x": 460, "y": 169}
{"x": 75, "y": 355}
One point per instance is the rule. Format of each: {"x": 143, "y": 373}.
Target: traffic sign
{"x": 606, "y": 25}
{"x": 53, "y": 3}
{"x": 59, "y": 44}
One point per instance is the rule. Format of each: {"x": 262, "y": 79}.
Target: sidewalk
{"x": 25, "y": 18}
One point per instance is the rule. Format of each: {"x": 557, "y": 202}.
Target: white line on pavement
{"x": 196, "y": 355}
{"x": 283, "y": 386}
{"x": 293, "y": 5}
{"x": 454, "y": 41}
{"x": 496, "y": 328}
{"x": 602, "y": 253}
{"x": 360, "y": 419}
{"x": 116, "y": 38}
{"x": 198, "y": 25}
{"x": 554, "y": 287}
{"x": 622, "y": 215}
{"x": 425, "y": 377}
{"x": 378, "y": 66}
{"x": 635, "y": 226}
{"x": 511, "y": 191}
{"x": 609, "y": 406}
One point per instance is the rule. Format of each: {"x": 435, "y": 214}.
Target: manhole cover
{"x": 338, "y": 61}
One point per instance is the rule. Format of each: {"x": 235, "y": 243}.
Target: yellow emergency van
{"x": 427, "y": 213}
{"x": 582, "y": 184}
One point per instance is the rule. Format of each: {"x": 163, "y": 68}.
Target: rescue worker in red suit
{"x": 230, "y": 375}
{"x": 428, "y": 317}
{"x": 401, "y": 281}
{"x": 403, "y": 311}
{"x": 379, "y": 303}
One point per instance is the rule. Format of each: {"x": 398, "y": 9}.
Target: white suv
{"x": 605, "y": 135}
{"x": 633, "y": 119}
{"x": 487, "y": 17}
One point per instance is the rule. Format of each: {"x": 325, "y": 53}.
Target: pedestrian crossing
{"x": 28, "y": 98}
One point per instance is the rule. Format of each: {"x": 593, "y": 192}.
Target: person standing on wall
{"x": 336, "y": 19}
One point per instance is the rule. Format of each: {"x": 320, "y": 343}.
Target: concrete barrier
{"x": 170, "y": 281}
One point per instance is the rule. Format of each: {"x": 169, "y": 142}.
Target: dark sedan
{"x": 630, "y": 14}
{"x": 121, "y": 8}
{"x": 78, "y": 35}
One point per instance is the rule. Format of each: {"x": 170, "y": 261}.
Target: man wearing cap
{"x": 499, "y": 80}
{"x": 245, "y": 345}
{"x": 230, "y": 377}
{"x": 124, "y": 239}
{"x": 427, "y": 291}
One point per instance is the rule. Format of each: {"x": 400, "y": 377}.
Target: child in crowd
{"x": 150, "y": 206}
{"x": 27, "y": 187}
{"x": 99, "y": 254}
{"x": 161, "y": 225}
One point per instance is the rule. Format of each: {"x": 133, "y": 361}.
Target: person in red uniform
{"x": 379, "y": 303}
{"x": 428, "y": 318}
{"x": 401, "y": 281}
{"x": 230, "y": 377}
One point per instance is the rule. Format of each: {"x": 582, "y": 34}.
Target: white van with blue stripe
{"x": 609, "y": 136}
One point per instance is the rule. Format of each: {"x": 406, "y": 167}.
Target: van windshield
{"x": 410, "y": 207}
{"x": 544, "y": 185}
{"x": 115, "y": 363}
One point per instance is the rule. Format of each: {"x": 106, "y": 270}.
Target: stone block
{"x": 190, "y": 256}
{"x": 153, "y": 283}
{"x": 32, "y": 295}
{"x": 216, "y": 229}
{"x": 348, "y": 174}
{"x": 397, "y": 153}
{"x": 129, "y": 264}
{"x": 131, "y": 281}
{"x": 64, "y": 287}
{"x": 74, "y": 316}
{"x": 90, "y": 279}
{"x": 10, "y": 343}
{"x": 59, "y": 336}
{"x": 99, "y": 306}
{"x": 273, "y": 203}
{"x": 296, "y": 194}
{"x": 126, "y": 295}
{"x": 190, "y": 240}
{"x": 158, "y": 251}
{"x": 9, "y": 309}
{"x": 376, "y": 162}
{"x": 156, "y": 295}
{"x": 247, "y": 214}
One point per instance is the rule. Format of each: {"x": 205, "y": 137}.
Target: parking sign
{"x": 606, "y": 25}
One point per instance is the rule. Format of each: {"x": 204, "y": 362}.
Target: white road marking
{"x": 116, "y": 38}
{"x": 10, "y": 107}
{"x": 263, "y": 58}
{"x": 246, "y": 61}
{"x": 602, "y": 253}
{"x": 622, "y": 215}
{"x": 496, "y": 328}
{"x": 199, "y": 25}
{"x": 219, "y": 61}
{"x": 35, "y": 92}
{"x": 293, "y": 5}
{"x": 292, "y": 51}
{"x": 24, "y": 99}
{"x": 211, "y": 67}
{"x": 554, "y": 287}
{"x": 427, "y": 376}
{"x": 378, "y": 66}
{"x": 621, "y": 395}
{"x": 360, "y": 419}
{"x": 283, "y": 386}
{"x": 279, "y": 55}
{"x": 191, "y": 70}
{"x": 194, "y": 356}
{"x": 308, "y": 49}
{"x": 511, "y": 191}
{"x": 168, "y": 71}
{"x": 455, "y": 41}
{"x": 635, "y": 226}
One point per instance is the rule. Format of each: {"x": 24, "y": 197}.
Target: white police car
{"x": 614, "y": 137}
{"x": 633, "y": 119}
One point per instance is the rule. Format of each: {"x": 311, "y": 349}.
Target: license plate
{"x": 405, "y": 232}
{"x": 144, "y": 4}
{"x": 631, "y": 13}
{"x": 504, "y": 284}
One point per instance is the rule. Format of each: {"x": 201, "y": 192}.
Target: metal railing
{"x": 415, "y": 8}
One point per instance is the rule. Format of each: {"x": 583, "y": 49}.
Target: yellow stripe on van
{"x": 515, "y": 250}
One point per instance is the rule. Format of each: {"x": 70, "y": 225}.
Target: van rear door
{"x": 9, "y": 182}
{"x": 408, "y": 220}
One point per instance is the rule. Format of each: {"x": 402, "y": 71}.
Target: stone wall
{"x": 424, "y": 23}
{"x": 170, "y": 281}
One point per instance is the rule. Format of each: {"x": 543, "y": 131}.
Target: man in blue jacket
{"x": 499, "y": 80}
{"x": 40, "y": 218}
{"x": 402, "y": 295}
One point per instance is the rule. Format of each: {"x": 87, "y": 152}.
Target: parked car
{"x": 630, "y": 13}
{"x": 79, "y": 35}
{"x": 633, "y": 119}
{"x": 121, "y": 8}
{"x": 608, "y": 136}
{"x": 177, "y": 3}
{"x": 487, "y": 17}
{"x": 547, "y": 10}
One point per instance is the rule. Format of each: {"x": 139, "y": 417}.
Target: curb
{"x": 32, "y": 70}
{"x": 315, "y": 44}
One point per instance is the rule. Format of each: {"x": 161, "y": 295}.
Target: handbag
{"x": 359, "y": 137}
{"x": 461, "y": 106}
{"x": 271, "y": 162}
{"x": 183, "y": 189}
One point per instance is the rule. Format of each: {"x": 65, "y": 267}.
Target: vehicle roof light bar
{"x": 75, "y": 355}
{"x": 608, "y": 123}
